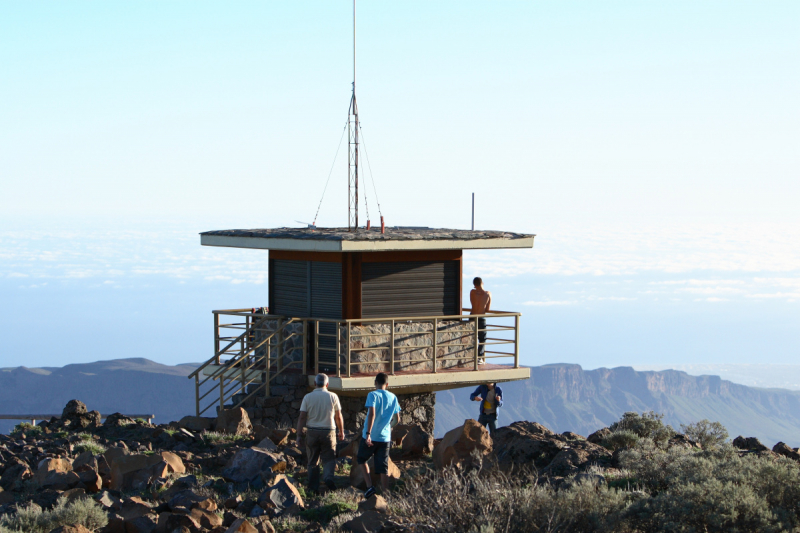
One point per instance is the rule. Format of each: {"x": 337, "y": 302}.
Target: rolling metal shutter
{"x": 305, "y": 288}
{"x": 409, "y": 288}
{"x": 326, "y": 290}
{"x": 289, "y": 288}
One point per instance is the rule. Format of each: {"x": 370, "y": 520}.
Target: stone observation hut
{"x": 352, "y": 304}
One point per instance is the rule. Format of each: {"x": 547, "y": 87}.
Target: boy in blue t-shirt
{"x": 383, "y": 413}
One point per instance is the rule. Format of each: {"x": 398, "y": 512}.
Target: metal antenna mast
{"x": 352, "y": 145}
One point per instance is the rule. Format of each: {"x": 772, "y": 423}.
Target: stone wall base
{"x": 282, "y": 408}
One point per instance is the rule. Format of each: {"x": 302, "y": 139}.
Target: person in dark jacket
{"x": 490, "y": 397}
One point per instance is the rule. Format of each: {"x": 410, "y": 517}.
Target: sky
{"x": 651, "y": 147}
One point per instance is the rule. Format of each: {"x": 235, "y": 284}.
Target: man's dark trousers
{"x": 489, "y": 420}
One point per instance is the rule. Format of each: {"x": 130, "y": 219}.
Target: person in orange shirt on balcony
{"x": 481, "y": 301}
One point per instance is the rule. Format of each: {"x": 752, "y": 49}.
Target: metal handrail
{"x": 242, "y": 347}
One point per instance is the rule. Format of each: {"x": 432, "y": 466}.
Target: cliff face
{"x": 565, "y": 397}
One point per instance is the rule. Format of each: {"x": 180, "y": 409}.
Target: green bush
{"x": 27, "y": 428}
{"x": 93, "y": 447}
{"x": 211, "y": 438}
{"x": 648, "y": 425}
{"x": 621, "y": 439}
{"x": 708, "y": 434}
{"x": 32, "y": 519}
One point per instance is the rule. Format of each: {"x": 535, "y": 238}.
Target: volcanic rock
{"x": 458, "y": 444}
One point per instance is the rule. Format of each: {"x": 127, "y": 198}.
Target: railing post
{"x": 281, "y": 348}
{"x": 347, "y": 340}
{"x": 216, "y": 339}
{"x": 435, "y": 341}
{"x": 269, "y": 357}
{"x": 348, "y": 355}
{"x": 516, "y": 341}
{"x": 197, "y": 394}
{"x": 305, "y": 346}
{"x": 477, "y": 342}
{"x": 391, "y": 351}
{"x": 222, "y": 392}
{"x": 316, "y": 347}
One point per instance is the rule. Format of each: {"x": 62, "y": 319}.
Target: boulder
{"x": 749, "y": 443}
{"x": 53, "y": 472}
{"x": 184, "y": 501}
{"x": 85, "y": 461}
{"x": 375, "y": 503}
{"x": 458, "y": 444}
{"x": 197, "y": 424}
{"x": 280, "y": 437}
{"x": 135, "y": 472}
{"x": 134, "y": 507}
{"x": 357, "y": 477}
{"x": 248, "y": 464}
{"x": 91, "y": 481}
{"x": 182, "y": 484}
{"x": 234, "y": 422}
{"x": 112, "y": 453}
{"x": 412, "y": 439}
{"x": 529, "y": 443}
{"x": 174, "y": 463}
{"x": 142, "y": 524}
{"x": 206, "y": 505}
{"x": 206, "y": 519}
{"x": 368, "y": 522}
{"x": 787, "y": 451}
{"x": 6, "y": 498}
{"x": 15, "y": 475}
{"x": 567, "y": 461}
{"x": 77, "y": 528}
{"x": 283, "y": 494}
{"x": 75, "y": 415}
{"x": 108, "y": 501}
{"x": 73, "y": 409}
{"x": 267, "y": 444}
{"x": 263, "y": 525}
{"x": 119, "y": 420}
{"x": 599, "y": 436}
{"x": 240, "y": 525}
{"x": 682, "y": 441}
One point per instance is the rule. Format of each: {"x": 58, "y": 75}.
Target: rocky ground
{"x": 76, "y": 474}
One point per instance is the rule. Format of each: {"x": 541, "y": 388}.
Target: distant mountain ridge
{"x": 563, "y": 397}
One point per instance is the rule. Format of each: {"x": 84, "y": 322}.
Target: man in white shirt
{"x": 321, "y": 414}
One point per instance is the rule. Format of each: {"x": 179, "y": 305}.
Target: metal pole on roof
{"x": 352, "y": 146}
{"x": 473, "y": 211}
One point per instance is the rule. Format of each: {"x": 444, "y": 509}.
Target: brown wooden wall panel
{"x": 325, "y": 257}
{"x": 412, "y": 255}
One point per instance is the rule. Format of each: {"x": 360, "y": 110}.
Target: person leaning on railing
{"x": 491, "y": 398}
{"x": 480, "y": 300}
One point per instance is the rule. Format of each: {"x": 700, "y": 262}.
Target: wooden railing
{"x": 263, "y": 351}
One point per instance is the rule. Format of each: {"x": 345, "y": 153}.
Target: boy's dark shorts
{"x": 381, "y": 452}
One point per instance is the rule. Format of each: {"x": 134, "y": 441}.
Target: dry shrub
{"x": 32, "y": 519}
{"x": 492, "y": 500}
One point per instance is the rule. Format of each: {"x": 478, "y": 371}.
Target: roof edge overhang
{"x": 312, "y": 245}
